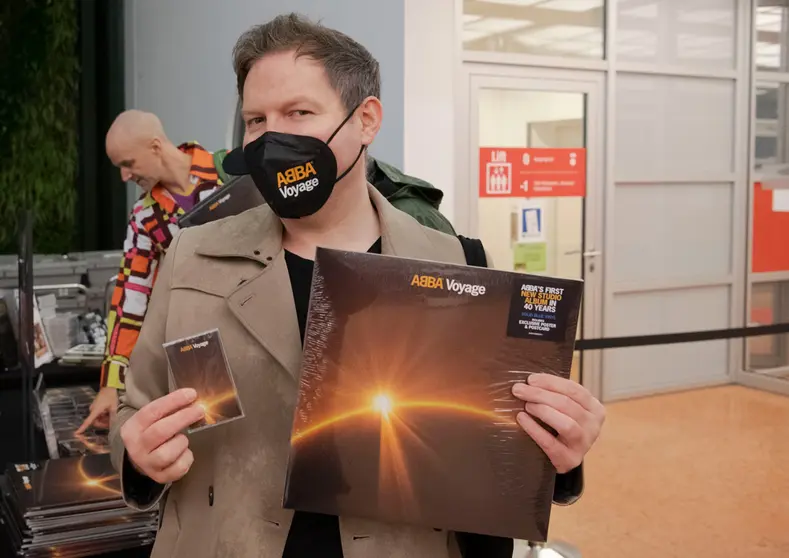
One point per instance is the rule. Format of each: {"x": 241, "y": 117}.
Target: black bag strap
{"x": 475, "y": 252}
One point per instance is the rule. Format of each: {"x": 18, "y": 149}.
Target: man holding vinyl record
{"x": 311, "y": 108}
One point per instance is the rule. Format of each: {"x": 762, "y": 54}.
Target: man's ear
{"x": 156, "y": 146}
{"x": 371, "y": 113}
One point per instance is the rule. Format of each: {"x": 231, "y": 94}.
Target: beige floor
{"x": 702, "y": 474}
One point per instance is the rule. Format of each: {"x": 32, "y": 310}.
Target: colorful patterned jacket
{"x": 152, "y": 225}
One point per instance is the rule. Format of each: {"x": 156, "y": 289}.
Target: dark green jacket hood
{"x": 396, "y": 185}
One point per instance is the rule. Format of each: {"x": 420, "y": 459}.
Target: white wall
{"x": 179, "y": 62}
{"x": 431, "y": 58}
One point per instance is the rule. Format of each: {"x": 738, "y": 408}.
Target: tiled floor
{"x": 697, "y": 474}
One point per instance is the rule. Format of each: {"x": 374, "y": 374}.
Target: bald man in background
{"x": 173, "y": 179}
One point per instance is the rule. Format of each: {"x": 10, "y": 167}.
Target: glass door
{"x": 535, "y": 159}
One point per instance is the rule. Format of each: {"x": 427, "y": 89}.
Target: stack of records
{"x": 85, "y": 354}
{"x": 71, "y": 508}
{"x": 62, "y": 412}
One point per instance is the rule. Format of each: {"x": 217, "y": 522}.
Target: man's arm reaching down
{"x": 130, "y": 300}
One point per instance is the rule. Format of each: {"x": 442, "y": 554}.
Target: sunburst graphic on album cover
{"x": 213, "y": 407}
{"x": 395, "y": 429}
{"x": 106, "y": 483}
{"x": 83, "y": 479}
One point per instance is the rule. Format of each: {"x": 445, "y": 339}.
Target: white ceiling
{"x": 704, "y": 29}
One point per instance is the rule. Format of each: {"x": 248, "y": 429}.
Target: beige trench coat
{"x": 232, "y": 275}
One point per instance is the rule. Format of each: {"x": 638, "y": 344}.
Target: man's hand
{"x": 102, "y": 410}
{"x": 568, "y": 408}
{"x": 153, "y": 439}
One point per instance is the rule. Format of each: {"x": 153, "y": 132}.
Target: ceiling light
{"x": 572, "y": 5}
{"x": 567, "y": 32}
{"x": 493, "y": 25}
{"x": 510, "y": 2}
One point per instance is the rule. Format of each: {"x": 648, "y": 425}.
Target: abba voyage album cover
{"x": 50, "y": 484}
{"x": 199, "y": 362}
{"x": 405, "y": 413}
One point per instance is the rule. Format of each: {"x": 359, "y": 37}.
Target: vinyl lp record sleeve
{"x": 51, "y": 484}
{"x": 405, "y": 412}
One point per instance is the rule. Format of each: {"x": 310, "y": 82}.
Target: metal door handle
{"x": 585, "y": 254}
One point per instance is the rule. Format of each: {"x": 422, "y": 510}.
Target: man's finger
{"x": 558, "y": 401}
{"x": 567, "y": 428}
{"x": 556, "y": 451}
{"x": 157, "y": 409}
{"x": 167, "y": 427}
{"x": 571, "y": 389}
{"x": 94, "y": 414}
{"x": 168, "y": 453}
{"x": 177, "y": 470}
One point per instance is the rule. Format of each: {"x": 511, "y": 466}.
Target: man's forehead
{"x": 122, "y": 150}
{"x": 120, "y": 159}
{"x": 284, "y": 78}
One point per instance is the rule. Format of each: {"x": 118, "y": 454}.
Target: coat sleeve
{"x": 569, "y": 486}
{"x": 130, "y": 300}
{"x": 147, "y": 381}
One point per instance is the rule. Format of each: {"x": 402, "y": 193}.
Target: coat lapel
{"x": 264, "y": 302}
{"x": 401, "y": 234}
{"x": 265, "y": 307}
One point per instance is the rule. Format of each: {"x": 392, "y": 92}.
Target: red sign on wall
{"x": 531, "y": 172}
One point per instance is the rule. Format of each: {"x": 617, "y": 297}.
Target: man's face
{"x": 138, "y": 161}
{"x": 292, "y": 95}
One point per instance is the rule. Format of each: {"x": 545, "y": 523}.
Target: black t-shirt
{"x": 315, "y": 534}
{"x": 311, "y": 534}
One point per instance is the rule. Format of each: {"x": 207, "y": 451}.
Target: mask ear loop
{"x": 344, "y": 122}
{"x": 352, "y": 164}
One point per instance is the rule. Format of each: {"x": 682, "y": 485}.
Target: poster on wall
{"x": 530, "y": 257}
{"x": 531, "y": 221}
{"x": 519, "y": 172}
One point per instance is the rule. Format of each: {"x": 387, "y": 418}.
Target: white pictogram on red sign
{"x": 498, "y": 178}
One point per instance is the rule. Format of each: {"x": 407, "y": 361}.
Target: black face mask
{"x": 295, "y": 174}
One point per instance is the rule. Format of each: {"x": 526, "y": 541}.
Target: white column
{"x": 430, "y": 71}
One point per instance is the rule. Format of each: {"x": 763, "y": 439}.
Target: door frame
{"x": 476, "y": 76}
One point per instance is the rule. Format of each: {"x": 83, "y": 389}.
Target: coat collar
{"x": 257, "y": 234}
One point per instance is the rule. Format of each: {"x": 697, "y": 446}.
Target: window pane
{"x": 543, "y": 27}
{"x": 772, "y": 35}
{"x": 666, "y": 124}
{"x": 699, "y": 33}
{"x": 772, "y": 124}
{"x": 769, "y": 305}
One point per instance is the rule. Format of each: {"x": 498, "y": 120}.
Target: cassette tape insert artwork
{"x": 199, "y": 362}
{"x": 405, "y": 412}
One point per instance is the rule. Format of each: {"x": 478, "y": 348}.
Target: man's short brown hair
{"x": 353, "y": 72}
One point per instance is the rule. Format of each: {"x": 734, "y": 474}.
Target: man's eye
{"x": 256, "y": 120}
{"x": 300, "y": 113}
